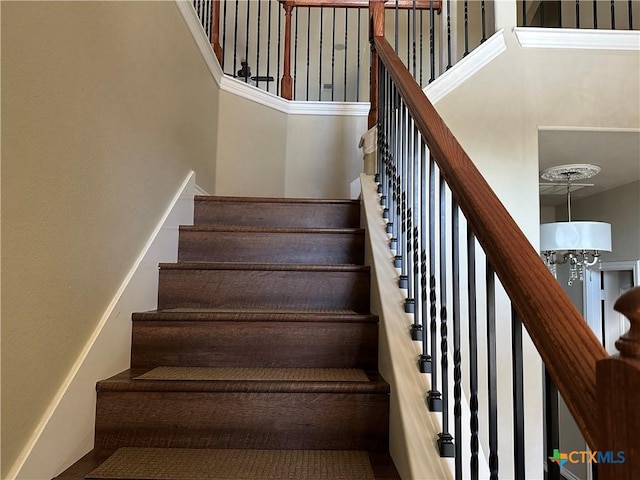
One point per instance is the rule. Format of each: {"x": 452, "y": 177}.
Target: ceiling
{"x": 617, "y": 152}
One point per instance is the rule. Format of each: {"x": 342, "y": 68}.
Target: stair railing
{"x": 591, "y": 14}
{"x": 453, "y": 239}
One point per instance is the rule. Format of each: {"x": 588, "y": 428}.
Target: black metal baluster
{"x": 492, "y": 374}
{"x": 577, "y": 13}
{"x": 279, "y": 53}
{"x": 295, "y": 55}
{"x": 613, "y": 15}
{"x": 445, "y": 440}
{"x": 560, "y": 14}
{"x": 396, "y": 33}
{"x": 483, "y": 18}
{"x": 630, "y": 10}
{"x": 308, "y": 49}
{"x": 542, "y": 9}
{"x": 246, "y": 43}
{"x": 235, "y": 40}
{"x": 518, "y": 396}
{"x": 346, "y": 50}
{"x": 457, "y": 356}
{"x": 224, "y": 33}
{"x": 392, "y": 224}
{"x": 473, "y": 354}
{"x": 320, "y": 54}
{"x": 421, "y": 45}
{"x": 432, "y": 37}
{"x": 415, "y": 218}
{"x": 448, "y": 34}
{"x": 466, "y": 28}
{"x": 434, "y": 400}
{"x": 402, "y": 211}
{"x": 424, "y": 362}
{"x": 409, "y": 303}
{"x": 269, "y": 47}
{"x": 408, "y": 65}
{"x": 258, "y": 45}
{"x": 333, "y": 53}
{"x": 413, "y": 46}
{"x": 552, "y": 429}
{"x": 524, "y": 13}
{"x": 358, "y": 59}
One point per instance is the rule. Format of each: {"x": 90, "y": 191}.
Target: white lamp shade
{"x": 575, "y": 236}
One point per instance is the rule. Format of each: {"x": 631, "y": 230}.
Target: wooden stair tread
{"x": 320, "y": 201}
{"x": 249, "y": 315}
{"x": 126, "y": 382}
{"x": 381, "y": 465}
{"x": 267, "y": 229}
{"x": 291, "y": 267}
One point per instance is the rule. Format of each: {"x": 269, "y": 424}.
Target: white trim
{"x": 466, "y": 67}
{"x": 249, "y": 92}
{"x": 198, "y": 190}
{"x": 530, "y": 37}
{"x": 65, "y": 431}
{"x": 633, "y": 265}
{"x": 569, "y": 128}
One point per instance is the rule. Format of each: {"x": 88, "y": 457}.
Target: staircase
{"x": 261, "y": 360}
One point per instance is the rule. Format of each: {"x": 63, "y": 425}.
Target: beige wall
{"x": 265, "y": 152}
{"x": 106, "y": 108}
{"x": 252, "y": 148}
{"x": 323, "y": 157}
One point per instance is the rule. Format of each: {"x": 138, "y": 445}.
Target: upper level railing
{"x": 456, "y": 248}
{"x": 591, "y": 14}
{"x": 318, "y": 50}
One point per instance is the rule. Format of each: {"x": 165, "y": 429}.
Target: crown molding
{"x": 466, "y": 67}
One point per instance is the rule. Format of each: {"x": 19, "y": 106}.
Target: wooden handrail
{"x": 402, "y": 4}
{"x": 215, "y": 30}
{"x": 565, "y": 342}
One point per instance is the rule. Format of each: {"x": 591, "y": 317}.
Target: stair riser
{"x": 309, "y": 215}
{"x": 255, "y": 344}
{"x": 259, "y": 289}
{"x": 316, "y": 248}
{"x": 332, "y": 421}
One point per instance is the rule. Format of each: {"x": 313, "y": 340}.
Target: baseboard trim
{"x": 65, "y": 431}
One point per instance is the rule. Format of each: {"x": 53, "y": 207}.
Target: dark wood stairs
{"x": 262, "y": 288}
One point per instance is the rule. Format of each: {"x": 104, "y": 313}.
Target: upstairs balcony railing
{"x": 318, "y": 50}
{"x": 588, "y": 14}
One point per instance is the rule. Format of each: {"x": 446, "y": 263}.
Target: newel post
{"x": 215, "y": 30}
{"x": 618, "y": 386}
{"x": 376, "y": 29}
{"x": 286, "y": 85}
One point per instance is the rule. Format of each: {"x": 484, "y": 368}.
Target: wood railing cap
{"x": 629, "y": 305}
{"x": 402, "y": 4}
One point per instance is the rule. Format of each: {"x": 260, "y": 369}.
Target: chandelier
{"x": 577, "y": 243}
